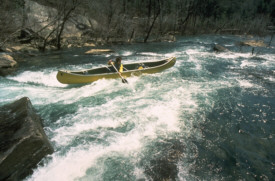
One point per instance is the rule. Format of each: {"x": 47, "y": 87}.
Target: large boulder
{"x": 7, "y": 64}
{"x": 23, "y": 142}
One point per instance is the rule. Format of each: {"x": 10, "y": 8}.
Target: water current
{"x": 209, "y": 117}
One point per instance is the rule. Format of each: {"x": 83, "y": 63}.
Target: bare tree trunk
{"x": 24, "y": 16}
{"x": 271, "y": 39}
{"x": 152, "y": 25}
{"x": 150, "y": 29}
{"x": 65, "y": 18}
{"x": 160, "y": 18}
{"x": 45, "y": 41}
{"x": 132, "y": 36}
{"x": 55, "y": 35}
{"x": 221, "y": 27}
{"x": 9, "y": 37}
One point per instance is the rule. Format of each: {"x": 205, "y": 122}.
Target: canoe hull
{"x": 82, "y": 77}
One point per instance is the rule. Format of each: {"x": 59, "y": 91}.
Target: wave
{"x": 43, "y": 78}
{"x": 108, "y": 128}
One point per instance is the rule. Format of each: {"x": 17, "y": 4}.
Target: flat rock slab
{"x": 89, "y": 45}
{"x": 23, "y": 142}
{"x": 6, "y": 61}
{"x": 99, "y": 51}
{"x": 7, "y": 64}
{"x": 24, "y": 49}
{"x": 253, "y": 43}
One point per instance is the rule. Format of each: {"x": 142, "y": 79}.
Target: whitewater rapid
{"x": 108, "y": 130}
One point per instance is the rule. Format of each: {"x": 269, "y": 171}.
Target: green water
{"x": 210, "y": 117}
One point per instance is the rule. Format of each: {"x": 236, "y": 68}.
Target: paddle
{"x": 123, "y": 80}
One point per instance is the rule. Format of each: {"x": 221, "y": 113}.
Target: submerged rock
{"x": 219, "y": 48}
{"x": 161, "y": 160}
{"x": 7, "y": 64}
{"x": 23, "y": 142}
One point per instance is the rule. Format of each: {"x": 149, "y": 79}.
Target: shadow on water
{"x": 239, "y": 138}
{"x": 160, "y": 158}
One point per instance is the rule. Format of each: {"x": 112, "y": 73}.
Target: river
{"x": 210, "y": 117}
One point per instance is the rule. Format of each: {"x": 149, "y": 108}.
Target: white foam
{"x": 172, "y": 54}
{"x": 192, "y": 51}
{"x": 247, "y": 63}
{"x": 127, "y": 53}
{"x": 68, "y": 167}
{"x": 74, "y": 164}
{"x": 231, "y": 55}
{"x": 270, "y": 63}
{"x": 270, "y": 78}
{"x": 150, "y": 54}
{"x": 47, "y": 78}
{"x": 197, "y": 62}
{"x": 153, "y": 110}
{"x": 53, "y": 91}
{"x": 245, "y": 83}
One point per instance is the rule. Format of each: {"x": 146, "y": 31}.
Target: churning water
{"x": 210, "y": 117}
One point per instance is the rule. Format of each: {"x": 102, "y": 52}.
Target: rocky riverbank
{"x": 23, "y": 142}
{"x": 7, "y": 64}
{"x": 13, "y": 53}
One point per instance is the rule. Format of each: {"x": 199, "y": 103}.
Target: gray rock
{"x": 23, "y": 142}
{"x": 219, "y": 48}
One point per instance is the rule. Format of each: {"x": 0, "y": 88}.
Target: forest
{"x": 105, "y": 21}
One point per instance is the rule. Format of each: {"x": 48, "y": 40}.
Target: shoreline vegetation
{"x": 48, "y": 24}
{"x": 31, "y": 27}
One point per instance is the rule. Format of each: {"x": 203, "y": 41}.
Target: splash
{"x": 43, "y": 78}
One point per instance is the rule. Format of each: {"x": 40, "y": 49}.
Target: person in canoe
{"x": 117, "y": 64}
{"x": 118, "y": 67}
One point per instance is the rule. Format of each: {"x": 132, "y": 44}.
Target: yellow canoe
{"x": 91, "y": 75}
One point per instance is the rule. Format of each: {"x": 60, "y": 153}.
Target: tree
{"x": 64, "y": 12}
{"x": 112, "y": 20}
{"x": 10, "y": 18}
{"x": 155, "y": 5}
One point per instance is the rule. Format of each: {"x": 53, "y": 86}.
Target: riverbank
{"x": 13, "y": 52}
{"x": 40, "y": 25}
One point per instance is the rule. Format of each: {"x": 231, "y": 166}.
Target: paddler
{"x": 117, "y": 64}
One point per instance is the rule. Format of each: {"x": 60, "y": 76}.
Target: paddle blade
{"x": 124, "y": 81}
